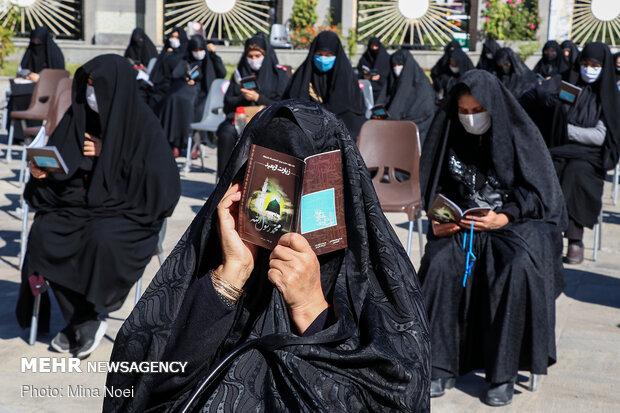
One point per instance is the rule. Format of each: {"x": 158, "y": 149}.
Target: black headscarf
{"x": 211, "y": 66}
{"x": 378, "y": 61}
{"x": 441, "y": 67}
{"x": 46, "y": 55}
{"x": 141, "y": 49}
{"x": 574, "y": 53}
{"x": 489, "y": 46}
{"x": 338, "y": 87}
{"x": 597, "y": 100}
{"x": 517, "y": 77}
{"x": 519, "y": 155}
{"x": 375, "y": 357}
{"x": 409, "y": 96}
{"x": 272, "y": 80}
{"x": 548, "y": 66}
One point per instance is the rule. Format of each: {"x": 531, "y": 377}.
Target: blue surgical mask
{"x": 324, "y": 63}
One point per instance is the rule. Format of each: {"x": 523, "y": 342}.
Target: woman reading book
{"x": 257, "y": 61}
{"x": 96, "y": 227}
{"x": 282, "y": 330}
{"x": 491, "y": 279}
{"x": 374, "y": 65}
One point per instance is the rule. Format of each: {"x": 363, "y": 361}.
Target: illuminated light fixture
{"x": 596, "y": 20}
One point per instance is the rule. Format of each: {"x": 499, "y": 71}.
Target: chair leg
{"x": 421, "y": 236}
{"x": 409, "y": 236}
{"x": 24, "y": 234}
{"x": 533, "y": 382}
{"x": 9, "y": 146}
{"x": 597, "y": 240}
{"x": 615, "y": 184}
{"x": 34, "y": 321}
{"x": 138, "y": 291}
{"x": 188, "y": 160}
{"x": 23, "y": 167}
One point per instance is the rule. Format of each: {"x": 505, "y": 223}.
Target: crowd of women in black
{"x": 495, "y": 136}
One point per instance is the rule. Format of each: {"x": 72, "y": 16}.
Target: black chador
{"x": 375, "y": 61}
{"x": 500, "y": 318}
{"x": 513, "y": 73}
{"x": 140, "y": 49}
{"x": 372, "y": 356}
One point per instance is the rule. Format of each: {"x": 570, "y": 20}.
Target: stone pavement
{"x": 585, "y": 379}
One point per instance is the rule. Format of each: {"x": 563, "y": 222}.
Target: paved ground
{"x": 585, "y": 379}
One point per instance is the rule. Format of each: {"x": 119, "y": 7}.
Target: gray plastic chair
{"x": 280, "y": 37}
{"x": 369, "y": 99}
{"x": 212, "y": 116}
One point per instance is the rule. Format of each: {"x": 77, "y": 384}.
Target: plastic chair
{"x": 280, "y": 37}
{"x": 614, "y": 191}
{"x": 159, "y": 251}
{"x": 369, "y": 99}
{"x": 387, "y": 147}
{"x": 151, "y": 65}
{"x": 39, "y": 104}
{"x": 212, "y": 116}
{"x": 598, "y": 236}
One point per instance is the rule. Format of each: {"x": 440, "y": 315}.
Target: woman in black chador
{"x": 141, "y": 49}
{"x": 96, "y": 228}
{"x": 374, "y": 65}
{"x": 327, "y": 78}
{"x": 483, "y": 151}
{"x": 570, "y": 53}
{"x": 259, "y": 60}
{"x": 585, "y": 141}
{"x": 191, "y": 79}
{"x": 289, "y": 331}
{"x": 552, "y": 62}
{"x": 446, "y": 73}
{"x": 408, "y": 94}
{"x": 487, "y": 57}
{"x": 513, "y": 73}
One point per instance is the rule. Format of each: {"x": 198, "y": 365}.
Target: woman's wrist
{"x": 235, "y": 273}
{"x": 304, "y": 316}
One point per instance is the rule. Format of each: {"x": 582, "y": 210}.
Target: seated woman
{"x": 302, "y": 333}
{"x": 586, "y": 141}
{"x": 258, "y": 60}
{"x": 96, "y": 227}
{"x": 448, "y": 70}
{"x": 570, "y": 53}
{"x": 483, "y": 152}
{"x": 374, "y": 65}
{"x": 140, "y": 49}
{"x": 42, "y": 53}
{"x": 552, "y": 62}
{"x": 487, "y": 57}
{"x": 409, "y": 94}
{"x": 191, "y": 78}
{"x": 513, "y": 73}
{"x": 326, "y": 77}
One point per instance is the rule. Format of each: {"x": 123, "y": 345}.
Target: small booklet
{"x": 283, "y": 194}
{"x": 248, "y": 82}
{"x": 568, "y": 92}
{"x": 193, "y": 73}
{"x": 45, "y": 157}
{"x": 443, "y": 210}
{"x": 368, "y": 71}
{"x": 379, "y": 111}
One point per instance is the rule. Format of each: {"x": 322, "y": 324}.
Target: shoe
{"x": 64, "y": 341}
{"x": 88, "y": 336}
{"x": 574, "y": 255}
{"x": 439, "y": 386}
{"x": 500, "y": 394}
{"x": 175, "y": 152}
{"x": 195, "y": 153}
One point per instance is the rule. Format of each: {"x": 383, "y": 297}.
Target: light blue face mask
{"x": 324, "y": 63}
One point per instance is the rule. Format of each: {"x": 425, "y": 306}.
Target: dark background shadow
{"x": 589, "y": 287}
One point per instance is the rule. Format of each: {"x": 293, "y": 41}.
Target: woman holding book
{"x": 258, "y": 62}
{"x": 374, "y": 66}
{"x": 490, "y": 280}
{"x": 97, "y": 226}
{"x": 191, "y": 79}
{"x": 141, "y": 49}
{"x": 282, "y": 330}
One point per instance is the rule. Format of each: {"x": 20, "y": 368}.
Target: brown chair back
{"x": 43, "y": 95}
{"x": 60, "y": 104}
{"x": 388, "y": 146}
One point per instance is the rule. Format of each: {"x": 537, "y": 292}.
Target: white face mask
{"x": 255, "y": 64}
{"x": 454, "y": 69}
{"x": 489, "y": 55}
{"x": 91, "y": 99}
{"x": 476, "y": 124}
{"x": 590, "y": 74}
{"x": 199, "y": 55}
{"x": 397, "y": 70}
{"x": 174, "y": 42}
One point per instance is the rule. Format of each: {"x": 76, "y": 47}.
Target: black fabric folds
{"x": 443, "y": 78}
{"x": 484, "y": 63}
{"x": 516, "y": 76}
{"x": 377, "y": 61}
{"x": 140, "y": 49}
{"x": 374, "y": 357}
{"x": 409, "y": 96}
{"x": 337, "y": 90}
{"x": 46, "y": 55}
{"x": 504, "y": 318}
{"x": 549, "y": 66}
{"x": 96, "y": 227}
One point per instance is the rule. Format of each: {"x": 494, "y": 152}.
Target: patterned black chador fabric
{"x": 503, "y": 319}
{"x": 373, "y": 357}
